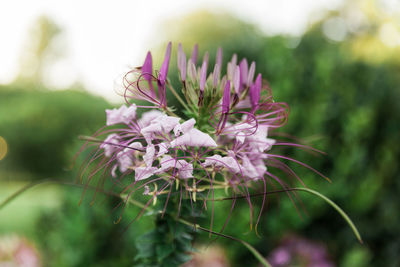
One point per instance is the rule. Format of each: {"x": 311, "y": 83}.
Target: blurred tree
{"x": 40, "y": 50}
{"x": 41, "y": 128}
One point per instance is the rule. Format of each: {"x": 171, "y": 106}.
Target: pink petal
{"x": 194, "y": 138}
{"x": 144, "y": 172}
{"x": 184, "y": 127}
{"x": 148, "y": 158}
{"x": 108, "y": 145}
{"x": 148, "y": 117}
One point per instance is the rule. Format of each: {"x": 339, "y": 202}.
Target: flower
{"x": 221, "y": 142}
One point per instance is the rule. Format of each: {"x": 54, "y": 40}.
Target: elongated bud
{"x": 147, "y": 72}
{"x": 231, "y": 67}
{"x": 147, "y": 68}
{"x": 164, "y": 67}
{"x": 218, "y": 60}
{"x": 226, "y": 99}
{"x": 234, "y": 59}
{"x": 216, "y": 75}
{"x": 182, "y": 62}
{"x": 195, "y": 53}
{"x": 206, "y": 57}
{"x": 255, "y": 91}
{"x": 191, "y": 70}
{"x": 252, "y": 70}
{"x": 203, "y": 76}
{"x": 223, "y": 83}
{"x": 236, "y": 80}
{"x": 244, "y": 69}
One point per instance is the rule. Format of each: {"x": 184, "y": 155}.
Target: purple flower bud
{"x": 203, "y": 75}
{"x": 216, "y": 75}
{"x": 236, "y": 80}
{"x": 223, "y": 82}
{"x": 182, "y": 62}
{"x": 194, "y": 54}
{"x": 252, "y": 70}
{"x": 218, "y": 60}
{"x": 244, "y": 68}
{"x": 164, "y": 67}
{"x": 226, "y": 97}
{"x": 255, "y": 91}
{"x": 191, "y": 70}
{"x": 206, "y": 57}
{"x": 234, "y": 59}
{"x": 147, "y": 68}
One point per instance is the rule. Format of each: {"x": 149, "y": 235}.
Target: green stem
{"x": 315, "y": 193}
{"x": 178, "y": 96}
{"x": 336, "y": 207}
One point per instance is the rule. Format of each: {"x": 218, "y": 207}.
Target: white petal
{"x": 194, "y": 138}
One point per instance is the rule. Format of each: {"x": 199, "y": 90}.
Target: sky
{"x": 103, "y": 38}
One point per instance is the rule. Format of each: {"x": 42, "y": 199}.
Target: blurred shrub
{"x": 41, "y": 127}
{"x": 339, "y": 104}
{"x": 85, "y": 235}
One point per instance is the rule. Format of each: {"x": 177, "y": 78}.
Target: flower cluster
{"x": 219, "y": 141}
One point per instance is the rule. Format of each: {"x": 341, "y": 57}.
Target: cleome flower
{"x": 220, "y": 141}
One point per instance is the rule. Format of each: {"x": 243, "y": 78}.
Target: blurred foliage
{"x": 41, "y": 128}
{"x": 41, "y": 48}
{"x": 86, "y": 235}
{"x": 341, "y": 104}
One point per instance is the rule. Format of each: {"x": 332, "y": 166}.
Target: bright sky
{"x": 103, "y": 38}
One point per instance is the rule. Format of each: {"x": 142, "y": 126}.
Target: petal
{"x": 110, "y": 144}
{"x": 148, "y": 117}
{"x": 114, "y": 116}
{"x": 129, "y": 114}
{"x": 185, "y": 169}
{"x": 148, "y": 158}
{"x": 162, "y": 149}
{"x": 184, "y": 127}
{"x": 144, "y": 172}
{"x": 194, "y": 138}
{"x": 124, "y": 160}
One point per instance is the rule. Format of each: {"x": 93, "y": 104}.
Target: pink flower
{"x": 225, "y": 130}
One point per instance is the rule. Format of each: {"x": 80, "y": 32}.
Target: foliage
{"x": 41, "y": 128}
{"x": 352, "y": 105}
